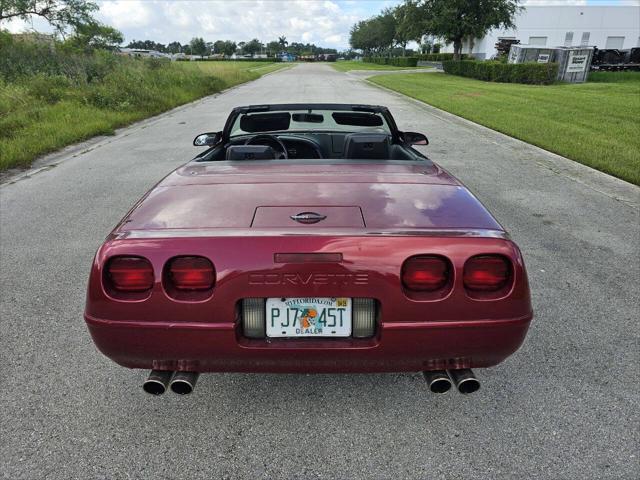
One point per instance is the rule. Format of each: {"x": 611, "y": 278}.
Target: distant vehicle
{"x": 287, "y": 57}
{"x": 140, "y": 52}
{"x": 327, "y": 57}
{"x": 308, "y": 238}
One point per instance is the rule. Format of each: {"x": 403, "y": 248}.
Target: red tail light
{"x": 487, "y": 273}
{"x": 191, "y": 273}
{"x": 130, "y": 274}
{"x": 425, "y": 273}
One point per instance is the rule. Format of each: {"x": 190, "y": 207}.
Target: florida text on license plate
{"x": 308, "y": 317}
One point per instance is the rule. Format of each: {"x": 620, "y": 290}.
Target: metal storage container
{"x": 573, "y": 62}
{"x": 530, "y": 53}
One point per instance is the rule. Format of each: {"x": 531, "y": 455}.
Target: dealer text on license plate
{"x": 308, "y": 317}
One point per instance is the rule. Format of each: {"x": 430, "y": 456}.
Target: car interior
{"x": 327, "y": 135}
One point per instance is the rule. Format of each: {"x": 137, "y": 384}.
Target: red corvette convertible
{"x": 308, "y": 238}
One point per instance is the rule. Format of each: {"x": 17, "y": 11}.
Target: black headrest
{"x": 369, "y": 146}
{"x": 250, "y": 152}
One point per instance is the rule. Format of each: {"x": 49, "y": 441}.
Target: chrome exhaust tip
{"x": 157, "y": 382}
{"x": 438, "y": 381}
{"x": 464, "y": 380}
{"x": 183, "y": 383}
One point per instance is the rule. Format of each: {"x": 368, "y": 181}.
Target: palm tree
{"x": 283, "y": 42}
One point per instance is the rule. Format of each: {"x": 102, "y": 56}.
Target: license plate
{"x": 308, "y": 317}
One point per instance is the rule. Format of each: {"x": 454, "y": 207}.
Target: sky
{"x": 323, "y": 22}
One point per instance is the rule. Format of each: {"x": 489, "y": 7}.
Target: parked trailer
{"x": 613, "y": 59}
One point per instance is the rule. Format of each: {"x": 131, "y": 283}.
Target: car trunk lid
{"x": 350, "y": 196}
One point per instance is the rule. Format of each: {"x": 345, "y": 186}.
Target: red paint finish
{"x": 204, "y": 210}
{"x": 387, "y": 195}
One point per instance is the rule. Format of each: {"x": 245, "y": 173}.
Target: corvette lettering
{"x": 309, "y": 279}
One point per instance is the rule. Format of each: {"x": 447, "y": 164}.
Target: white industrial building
{"x": 571, "y": 25}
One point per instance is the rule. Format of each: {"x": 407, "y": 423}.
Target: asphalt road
{"x": 566, "y": 406}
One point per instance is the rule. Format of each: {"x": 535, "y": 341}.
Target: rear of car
{"x": 220, "y": 304}
{"x": 207, "y": 275}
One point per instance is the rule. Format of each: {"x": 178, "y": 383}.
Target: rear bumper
{"x": 218, "y": 347}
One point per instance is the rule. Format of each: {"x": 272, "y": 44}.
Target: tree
{"x": 198, "y": 46}
{"x": 282, "y": 41}
{"x": 385, "y": 27}
{"x": 225, "y": 47}
{"x": 93, "y": 35}
{"x": 252, "y": 47}
{"x": 218, "y": 46}
{"x": 403, "y": 23}
{"x": 410, "y": 22}
{"x": 358, "y": 38}
{"x": 274, "y": 47}
{"x": 61, "y": 14}
{"x": 174, "y": 47}
{"x": 455, "y": 20}
{"x": 374, "y": 35}
{"x": 229, "y": 47}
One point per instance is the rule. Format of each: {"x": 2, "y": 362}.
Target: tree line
{"x": 452, "y": 21}
{"x": 198, "y": 46}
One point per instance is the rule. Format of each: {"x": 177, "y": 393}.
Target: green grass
{"x": 594, "y": 123}
{"x": 41, "y": 113}
{"x": 347, "y": 65}
{"x": 609, "y": 77}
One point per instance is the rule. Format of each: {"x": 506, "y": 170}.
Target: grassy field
{"x": 41, "y": 111}
{"x": 347, "y": 65}
{"x": 595, "y": 123}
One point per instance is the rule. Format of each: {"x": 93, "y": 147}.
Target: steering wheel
{"x": 271, "y": 141}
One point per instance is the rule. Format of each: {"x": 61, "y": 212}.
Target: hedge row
{"x": 438, "y": 57}
{"x": 394, "y": 61}
{"x": 535, "y": 73}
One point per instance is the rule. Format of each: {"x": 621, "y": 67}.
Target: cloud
{"x": 126, "y": 14}
{"x": 323, "y": 22}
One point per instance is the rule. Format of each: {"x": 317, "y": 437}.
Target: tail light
{"x": 487, "y": 273}
{"x": 130, "y": 274}
{"x": 191, "y": 273}
{"x": 425, "y": 273}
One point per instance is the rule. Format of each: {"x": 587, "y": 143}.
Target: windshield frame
{"x": 297, "y": 107}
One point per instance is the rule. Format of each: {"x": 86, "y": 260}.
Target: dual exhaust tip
{"x": 181, "y": 383}
{"x": 440, "y": 381}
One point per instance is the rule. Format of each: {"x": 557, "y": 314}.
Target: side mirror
{"x": 207, "y": 139}
{"x": 413, "y": 138}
